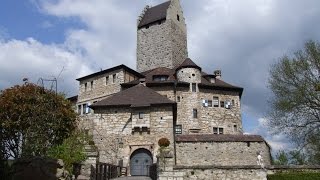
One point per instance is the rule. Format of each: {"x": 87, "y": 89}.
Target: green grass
{"x": 294, "y": 176}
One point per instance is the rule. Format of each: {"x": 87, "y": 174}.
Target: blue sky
{"x": 45, "y": 38}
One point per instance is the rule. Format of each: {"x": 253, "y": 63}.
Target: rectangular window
{"x": 178, "y": 129}
{"x": 222, "y": 104}
{"x": 178, "y": 17}
{"x": 195, "y": 113}
{"x": 235, "y": 128}
{"x": 209, "y": 103}
{"x": 194, "y": 87}
{"x": 85, "y": 86}
{"x": 84, "y": 109}
{"x": 220, "y": 130}
{"x": 178, "y": 99}
{"x": 79, "y": 109}
{"x": 232, "y": 103}
{"x": 91, "y": 83}
{"x": 114, "y": 78}
{"x": 217, "y": 130}
{"x": 140, "y": 115}
{"x": 107, "y": 80}
{"x": 215, "y": 101}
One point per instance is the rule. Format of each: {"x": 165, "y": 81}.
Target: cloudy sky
{"x": 71, "y": 38}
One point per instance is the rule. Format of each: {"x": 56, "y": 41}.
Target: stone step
{"x": 133, "y": 178}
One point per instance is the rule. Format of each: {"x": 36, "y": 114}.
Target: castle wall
{"x": 221, "y": 153}
{"x": 208, "y": 117}
{"x": 117, "y": 138}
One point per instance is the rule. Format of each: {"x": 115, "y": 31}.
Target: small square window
{"x": 178, "y": 99}
{"x": 195, "y": 113}
{"x": 140, "y": 115}
{"x": 222, "y": 104}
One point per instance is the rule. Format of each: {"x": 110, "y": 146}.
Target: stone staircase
{"x": 133, "y": 178}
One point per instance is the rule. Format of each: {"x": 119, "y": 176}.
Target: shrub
{"x": 163, "y": 142}
{"x": 294, "y": 176}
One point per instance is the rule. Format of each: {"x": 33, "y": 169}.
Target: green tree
{"x": 72, "y": 150}
{"x": 281, "y": 158}
{"x": 295, "y": 106}
{"x": 33, "y": 119}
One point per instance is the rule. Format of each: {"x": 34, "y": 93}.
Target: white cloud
{"x": 34, "y": 60}
{"x": 277, "y": 142}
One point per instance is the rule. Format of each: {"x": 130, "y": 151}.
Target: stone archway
{"x": 140, "y": 161}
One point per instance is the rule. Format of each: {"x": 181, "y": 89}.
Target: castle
{"x": 168, "y": 96}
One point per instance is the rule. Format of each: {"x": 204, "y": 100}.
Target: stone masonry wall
{"x": 162, "y": 44}
{"x": 208, "y": 117}
{"x": 190, "y": 75}
{"x": 101, "y": 88}
{"x": 221, "y": 153}
{"x": 116, "y": 139}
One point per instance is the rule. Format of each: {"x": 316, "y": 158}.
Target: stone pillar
{"x": 92, "y": 159}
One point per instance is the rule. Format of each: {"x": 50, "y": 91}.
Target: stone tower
{"x": 161, "y": 37}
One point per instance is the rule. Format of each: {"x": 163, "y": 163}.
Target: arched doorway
{"x": 140, "y": 161}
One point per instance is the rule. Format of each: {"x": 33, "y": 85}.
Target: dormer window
{"x": 160, "y": 78}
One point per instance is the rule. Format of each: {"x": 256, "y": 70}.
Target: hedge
{"x": 294, "y": 176}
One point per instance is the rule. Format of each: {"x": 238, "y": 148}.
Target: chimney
{"x": 142, "y": 81}
{"x": 217, "y": 73}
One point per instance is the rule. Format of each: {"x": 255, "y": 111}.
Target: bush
{"x": 163, "y": 142}
{"x": 72, "y": 150}
{"x": 294, "y": 176}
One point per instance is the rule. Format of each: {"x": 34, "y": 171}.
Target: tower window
{"x": 195, "y": 113}
{"x": 114, "y": 78}
{"x": 178, "y": 17}
{"x": 194, "y": 87}
{"x": 235, "y": 127}
{"x": 140, "y": 115}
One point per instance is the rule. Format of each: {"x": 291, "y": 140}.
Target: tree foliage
{"x": 33, "y": 119}
{"x": 72, "y": 150}
{"x": 295, "y": 106}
